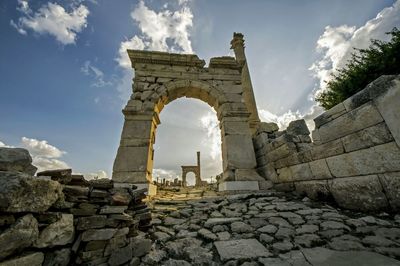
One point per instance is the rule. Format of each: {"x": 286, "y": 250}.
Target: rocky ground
{"x": 268, "y": 228}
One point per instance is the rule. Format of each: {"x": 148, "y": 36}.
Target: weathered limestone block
{"x": 235, "y": 128}
{"x": 240, "y": 249}
{"x": 19, "y": 236}
{"x": 247, "y": 175}
{"x": 136, "y": 129}
{"x": 98, "y": 234}
{"x": 32, "y": 259}
{"x": 372, "y": 91}
{"x": 16, "y": 159}
{"x": 59, "y": 257}
{"x": 391, "y": 186}
{"x": 328, "y": 149}
{"x": 320, "y": 170}
{"x": 57, "y": 234}
{"x": 316, "y": 138}
{"x": 268, "y": 172}
{"x": 293, "y": 159}
{"x": 330, "y": 115}
{"x": 231, "y": 88}
{"x": 261, "y": 160}
{"x": 281, "y": 152}
{"x": 377, "y": 159}
{"x": 238, "y": 152}
{"x": 260, "y": 140}
{"x": 20, "y": 193}
{"x": 130, "y": 177}
{"x": 389, "y": 107}
{"x": 284, "y": 174}
{"x": 133, "y": 159}
{"x": 298, "y": 127}
{"x": 301, "y": 172}
{"x": 355, "y": 120}
{"x": 316, "y": 189}
{"x": 64, "y": 176}
{"x": 363, "y": 193}
{"x": 267, "y": 127}
{"x": 371, "y": 136}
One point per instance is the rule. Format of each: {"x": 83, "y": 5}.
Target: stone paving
{"x": 268, "y": 228}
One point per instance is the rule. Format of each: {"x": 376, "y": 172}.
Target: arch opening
{"x": 188, "y": 127}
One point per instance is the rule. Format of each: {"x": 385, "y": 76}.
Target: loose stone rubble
{"x": 57, "y": 218}
{"x": 268, "y": 228}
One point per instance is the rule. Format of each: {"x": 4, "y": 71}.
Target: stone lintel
{"x": 164, "y": 58}
{"x": 226, "y": 62}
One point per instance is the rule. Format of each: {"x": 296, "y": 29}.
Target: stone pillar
{"x": 198, "y": 174}
{"x": 134, "y": 160}
{"x": 237, "y": 44}
{"x": 238, "y": 156}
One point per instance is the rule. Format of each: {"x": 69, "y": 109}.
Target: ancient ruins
{"x": 286, "y": 197}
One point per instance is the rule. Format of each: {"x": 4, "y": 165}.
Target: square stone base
{"x": 238, "y": 185}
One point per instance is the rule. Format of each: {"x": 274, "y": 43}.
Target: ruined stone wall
{"x": 354, "y": 158}
{"x": 57, "y": 218}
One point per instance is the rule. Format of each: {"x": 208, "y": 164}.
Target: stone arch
{"x": 160, "y": 78}
{"x": 190, "y": 169}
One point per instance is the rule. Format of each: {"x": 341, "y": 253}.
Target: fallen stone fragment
{"x": 216, "y": 221}
{"x": 241, "y": 249}
{"x": 207, "y": 234}
{"x": 57, "y": 234}
{"x": 64, "y": 176}
{"x": 16, "y": 160}
{"x": 21, "y": 193}
{"x": 98, "y": 234}
{"x": 241, "y": 227}
{"x": 58, "y": 257}
{"x": 173, "y": 221}
{"x": 32, "y": 259}
{"x": 321, "y": 256}
{"x": 19, "y": 236}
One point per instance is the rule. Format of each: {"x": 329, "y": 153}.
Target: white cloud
{"x": 134, "y": 43}
{"x": 163, "y": 173}
{"x": 210, "y": 124}
{"x": 52, "y": 19}
{"x": 43, "y": 163}
{"x": 156, "y": 29}
{"x": 89, "y": 70}
{"x": 41, "y": 148}
{"x": 283, "y": 120}
{"x": 97, "y": 175}
{"x": 44, "y": 155}
{"x": 336, "y": 43}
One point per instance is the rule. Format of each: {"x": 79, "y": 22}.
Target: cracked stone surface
{"x": 268, "y": 228}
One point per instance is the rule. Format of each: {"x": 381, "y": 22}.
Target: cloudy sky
{"x": 65, "y": 75}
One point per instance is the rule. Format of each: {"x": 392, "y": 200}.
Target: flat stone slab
{"x": 326, "y": 257}
{"x": 241, "y": 249}
{"x": 216, "y": 221}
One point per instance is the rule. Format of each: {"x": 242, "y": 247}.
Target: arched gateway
{"x": 225, "y": 85}
{"x": 195, "y": 169}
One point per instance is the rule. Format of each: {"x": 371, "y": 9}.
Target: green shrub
{"x": 365, "y": 65}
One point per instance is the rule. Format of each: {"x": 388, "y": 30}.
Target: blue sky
{"x": 63, "y": 80}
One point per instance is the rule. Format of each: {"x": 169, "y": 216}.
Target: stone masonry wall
{"x": 56, "y": 218}
{"x": 354, "y": 157}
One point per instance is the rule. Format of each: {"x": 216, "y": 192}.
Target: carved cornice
{"x": 163, "y": 58}
{"x": 224, "y": 62}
